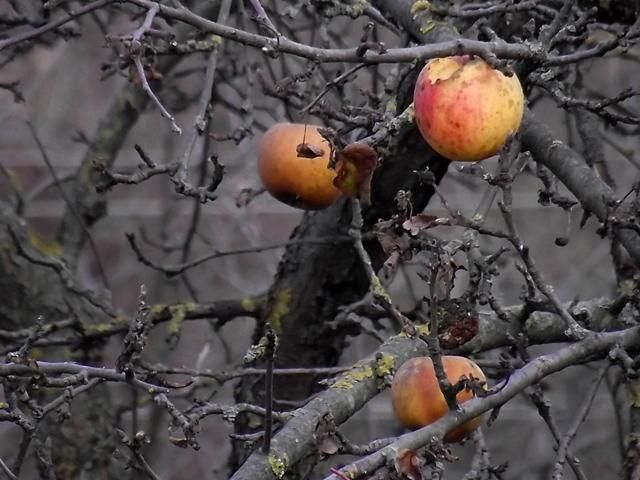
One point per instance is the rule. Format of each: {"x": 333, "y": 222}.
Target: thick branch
{"x": 596, "y": 345}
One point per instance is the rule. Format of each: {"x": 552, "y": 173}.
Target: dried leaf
{"x": 328, "y": 444}
{"x": 459, "y": 332}
{"x": 420, "y": 222}
{"x": 389, "y": 239}
{"x": 150, "y": 72}
{"x": 179, "y": 441}
{"x": 355, "y": 166}
{"x": 408, "y": 463}
{"x": 306, "y": 150}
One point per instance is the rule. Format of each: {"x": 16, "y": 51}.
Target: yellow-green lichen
{"x": 14, "y": 180}
{"x": 427, "y": 27}
{"x": 423, "y": 329}
{"x": 249, "y": 304}
{"x": 353, "y": 376}
{"x": 379, "y": 291}
{"x": 279, "y": 308}
{"x": 420, "y": 6}
{"x": 411, "y": 113}
{"x": 627, "y": 287}
{"x": 50, "y": 248}
{"x": 633, "y": 389}
{"x": 391, "y": 106}
{"x": 385, "y": 365}
{"x": 358, "y": 8}
{"x": 279, "y": 465}
{"x": 178, "y": 314}
{"x": 36, "y": 354}
{"x": 158, "y": 308}
{"x": 216, "y": 41}
{"x": 98, "y": 328}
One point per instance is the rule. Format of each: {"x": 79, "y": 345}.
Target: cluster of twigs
{"x": 549, "y": 49}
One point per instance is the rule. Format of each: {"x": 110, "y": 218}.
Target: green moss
{"x": 353, "y": 376}
{"x": 279, "y": 309}
{"x": 278, "y": 465}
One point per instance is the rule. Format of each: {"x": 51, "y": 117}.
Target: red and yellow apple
{"x": 300, "y": 180}
{"x": 417, "y": 399}
{"x": 465, "y": 109}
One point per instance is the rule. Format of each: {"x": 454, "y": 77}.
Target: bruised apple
{"x": 417, "y": 399}
{"x": 293, "y": 166}
{"x": 465, "y": 109}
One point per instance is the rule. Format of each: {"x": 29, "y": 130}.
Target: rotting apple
{"x": 465, "y": 109}
{"x": 293, "y": 164}
{"x": 417, "y": 399}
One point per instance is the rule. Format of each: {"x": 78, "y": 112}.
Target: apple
{"x": 417, "y": 399}
{"x": 293, "y": 164}
{"x": 465, "y": 109}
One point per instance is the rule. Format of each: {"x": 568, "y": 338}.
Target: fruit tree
{"x": 319, "y": 239}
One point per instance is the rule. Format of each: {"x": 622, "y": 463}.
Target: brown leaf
{"x": 420, "y": 222}
{"x": 355, "y": 166}
{"x": 408, "y": 463}
{"x": 328, "y": 444}
{"x": 389, "y": 239}
{"x": 306, "y": 150}
{"x": 459, "y": 332}
{"x": 179, "y": 441}
{"x": 150, "y": 72}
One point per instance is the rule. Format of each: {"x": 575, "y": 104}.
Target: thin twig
{"x": 53, "y": 25}
{"x": 70, "y": 206}
{"x": 563, "y": 447}
{"x": 6, "y": 471}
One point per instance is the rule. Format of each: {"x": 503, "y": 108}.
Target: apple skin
{"x": 300, "y": 182}
{"x": 417, "y": 399}
{"x": 465, "y": 109}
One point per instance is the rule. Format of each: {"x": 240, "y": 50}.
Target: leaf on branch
{"x": 417, "y": 223}
{"x": 328, "y": 444}
{"x": 150, "y": 72}
{"x": 328, "y": 441}
{"x": 355, "y": 166}
{"x": 408, "y": 464}
{"x": 306, "y": 150}
{"x": 391, "y": 238}
{"x": 180, "y": 442}
{"x": 459, "y": 322}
